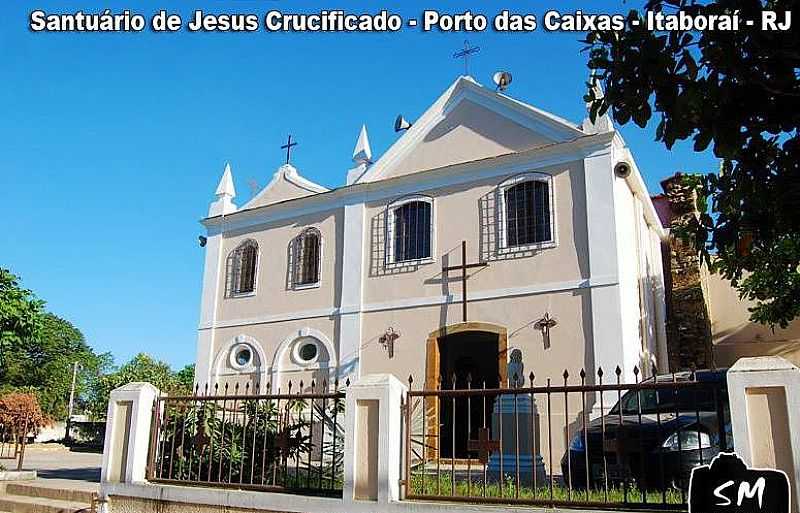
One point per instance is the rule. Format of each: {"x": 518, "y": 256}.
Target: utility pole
{"x": 75, "y": 366}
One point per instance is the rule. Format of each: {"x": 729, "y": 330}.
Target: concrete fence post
{"x": 764, "y": 396}
{"x": 373, "y": 439}
{"x": 130, "y": 409}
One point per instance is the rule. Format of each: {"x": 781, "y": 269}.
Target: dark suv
{"x": 653, "y": 438}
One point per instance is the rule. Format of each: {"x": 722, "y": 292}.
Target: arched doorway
{"x": 477, "y": 350}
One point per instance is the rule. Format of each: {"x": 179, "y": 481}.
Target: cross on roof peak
{"x": 288, "y": 147}
{"x": 465, "y": 54}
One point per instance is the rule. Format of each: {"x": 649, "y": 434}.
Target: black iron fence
{"x": 583, "y": 442}
{"x": 290, "y": 441}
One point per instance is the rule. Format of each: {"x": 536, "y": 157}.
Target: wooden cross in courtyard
{"x": 288, "y": 147}
{"x": 484, "y": 445}
{"x": 463, "y": 268}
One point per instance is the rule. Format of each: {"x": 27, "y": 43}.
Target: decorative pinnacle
{"x": 362, "y": 153}
{"x": 225, "y": 187}
{"x": 225, "y": 193}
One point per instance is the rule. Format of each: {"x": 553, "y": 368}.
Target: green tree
{"x": 141, "y": 367}
{"x": 43, "y": 365}
{"x": 20, "y": 318}
{"x": 740, "y": 91}
{"x": 38, "y": 349}
{"x": 184, "y": 380}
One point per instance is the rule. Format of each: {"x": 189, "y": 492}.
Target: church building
{"x": 489, "y": 228}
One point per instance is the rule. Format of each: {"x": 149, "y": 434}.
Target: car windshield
{"x": 663, "y": 400}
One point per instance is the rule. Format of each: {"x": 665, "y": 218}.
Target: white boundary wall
{"x": 373, "y": 452}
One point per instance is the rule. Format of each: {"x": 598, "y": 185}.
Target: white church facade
{"x": 303, "y": 283}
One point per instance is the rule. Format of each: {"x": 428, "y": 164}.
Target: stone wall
{"x": 688, "y": 322}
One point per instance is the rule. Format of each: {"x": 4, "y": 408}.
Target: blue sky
{"x": 111, "y": 145}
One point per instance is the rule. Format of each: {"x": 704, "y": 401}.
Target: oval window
{"x": 308, "y": 351}
{"x": 243, "y": 356}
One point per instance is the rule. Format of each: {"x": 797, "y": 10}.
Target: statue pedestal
{"x": 515, "y": 440}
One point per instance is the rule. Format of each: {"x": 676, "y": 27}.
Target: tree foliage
{"x": 20, "y": 316}
{"x": 38, "y": 351}
{"x": 184, "y": 380}
{"x": 21, "y": 411}
{"x": 141, "y": 368}
{"x": 43, "y": 365}
{"x": 740, "y": 92}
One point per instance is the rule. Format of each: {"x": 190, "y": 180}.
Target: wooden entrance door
{"x": 443, "y": 355}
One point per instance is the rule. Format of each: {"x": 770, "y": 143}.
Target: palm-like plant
{"x": 258, "y": 441}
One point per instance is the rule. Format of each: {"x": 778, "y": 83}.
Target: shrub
{"x": 18, "y": 408}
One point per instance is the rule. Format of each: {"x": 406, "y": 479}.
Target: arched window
{"x": 242, "y": 265}
{"x": 308, "y": 251}
{"x": 410, "y": 230}
{"x": 527, "y": 217}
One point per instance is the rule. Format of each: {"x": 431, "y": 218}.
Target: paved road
{"x": 58, "y": 465}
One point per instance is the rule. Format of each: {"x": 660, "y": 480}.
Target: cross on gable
{"x": 288, "y": 147}
{"x": 484, "y": 445}
{"x": 465, "y": 54}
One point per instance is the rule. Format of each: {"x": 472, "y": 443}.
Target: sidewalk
{"x": 57, "y": 466}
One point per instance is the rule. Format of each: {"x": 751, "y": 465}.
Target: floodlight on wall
{"x": 202, "y": 240}
{"x": 502, "y": 79}
{"x": 622, "y": 169}
{"x": 401, "y": 124}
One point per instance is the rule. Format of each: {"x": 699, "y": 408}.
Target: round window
{"x": 308, "y": 351}
{"x": 243, "y": 356}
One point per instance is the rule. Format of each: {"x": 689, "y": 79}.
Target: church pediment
{"x": 285, "y": 185}
{"x": 467, "y": 123}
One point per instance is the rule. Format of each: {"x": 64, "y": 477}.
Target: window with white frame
{"x": 526, "y": 213}
{"x": 307, "y": 257}
{"x": 410, "y": 229}
{"x": 242, "y": 267}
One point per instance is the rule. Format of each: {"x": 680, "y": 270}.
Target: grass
{"x": 443, "y": 487}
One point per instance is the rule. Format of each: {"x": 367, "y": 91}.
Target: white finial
{"x": 225, "y": 187}
{"x": 225, "y": 193}
{"x": 362, "y": 152}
